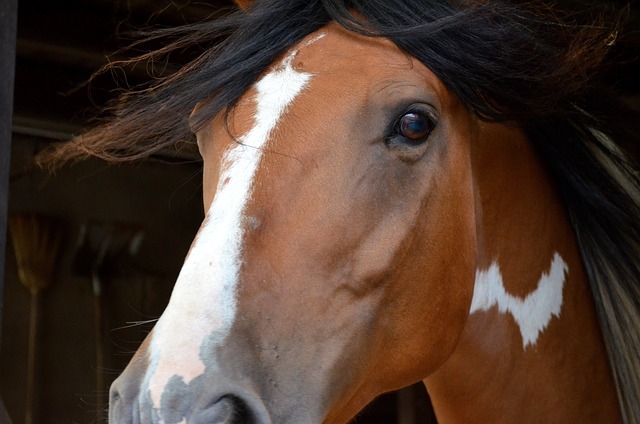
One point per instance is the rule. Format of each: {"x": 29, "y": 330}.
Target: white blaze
{"x": 202, "y": 308}
{"x": 533, "y": 313}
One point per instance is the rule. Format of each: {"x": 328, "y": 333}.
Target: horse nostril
{"x": 117, "y": 409}
{"x": 227, "y": 409}
{"x": 230, "y": 409}
{"x": 123, "y": 403}
{"x": 114, "y": 396}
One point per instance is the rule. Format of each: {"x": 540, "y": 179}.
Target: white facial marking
{"x": 202, "y": 308}
{"x": 533, "y": 313}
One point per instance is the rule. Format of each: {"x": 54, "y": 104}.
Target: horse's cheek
{"x": 440, "y": 283}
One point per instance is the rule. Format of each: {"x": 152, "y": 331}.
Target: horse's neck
{"x": 532, "y": 349}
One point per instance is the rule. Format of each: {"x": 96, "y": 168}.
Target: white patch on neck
{"x": 202, "y": 308}
{"x": 533, "y": 313}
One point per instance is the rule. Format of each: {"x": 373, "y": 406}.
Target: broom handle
{"x": 30, "y": 414}
{"x": 99, "y": 333}
{"x": 97, "y": 286}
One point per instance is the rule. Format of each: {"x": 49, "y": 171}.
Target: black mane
{"x": 504, "y": 60}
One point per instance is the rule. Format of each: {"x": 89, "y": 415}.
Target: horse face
{"x": 337, "y": 257}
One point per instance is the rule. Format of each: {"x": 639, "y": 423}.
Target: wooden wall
{"x": 161, "y": 201}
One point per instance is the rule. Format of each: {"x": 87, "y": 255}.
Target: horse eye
{"x": 415, "y": 127}
{"x": 406, "y": 137}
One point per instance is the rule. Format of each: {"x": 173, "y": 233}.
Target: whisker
{"x": 131, "y": 324}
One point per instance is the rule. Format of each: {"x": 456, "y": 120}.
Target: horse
{"x": 394, "y": 192}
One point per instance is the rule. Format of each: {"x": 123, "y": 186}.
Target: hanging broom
{"x": 36, "y": 243}
{"x": 100, "y": 247}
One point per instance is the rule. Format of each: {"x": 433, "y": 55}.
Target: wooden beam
{"x": 406, "y": 401}
{"x": 8, "y": 24}
{"x": 83, "y": 58}
{"x": 57, "y": 130}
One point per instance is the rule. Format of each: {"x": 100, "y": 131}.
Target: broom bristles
{"x": 36, "y": 242}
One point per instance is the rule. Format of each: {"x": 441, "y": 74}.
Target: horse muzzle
{"x": 129, "y": 406}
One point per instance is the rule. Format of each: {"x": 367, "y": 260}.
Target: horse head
{"x": 334, "y": 263}
{"x": 368, "y": 225}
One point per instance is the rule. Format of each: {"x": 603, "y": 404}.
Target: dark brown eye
{"x": 407, "y": 135}
{"x": 415, "y": 127}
